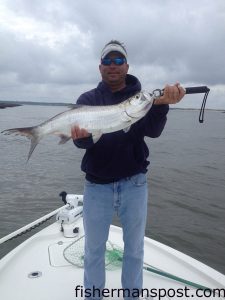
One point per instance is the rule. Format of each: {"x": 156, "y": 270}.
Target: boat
{"x": 49, "y": 264}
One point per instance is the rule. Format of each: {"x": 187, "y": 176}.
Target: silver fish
{"x": 97, "y": 120}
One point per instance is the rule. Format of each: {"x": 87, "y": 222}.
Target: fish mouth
{"x": 147, "y": 106}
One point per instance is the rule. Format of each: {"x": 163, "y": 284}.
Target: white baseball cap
{"x": 113, "y": 47}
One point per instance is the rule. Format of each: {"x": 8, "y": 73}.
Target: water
{"x": 186, "y": 180}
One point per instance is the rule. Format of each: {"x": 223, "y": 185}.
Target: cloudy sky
{"x": 50, "y": 49}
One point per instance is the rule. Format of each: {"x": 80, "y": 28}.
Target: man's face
{"x": 114, "y": 74}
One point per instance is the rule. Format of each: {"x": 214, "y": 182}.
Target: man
{"x": 116, "y": 169}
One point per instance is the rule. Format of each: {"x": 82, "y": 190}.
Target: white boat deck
{"x": 42, "y": 256}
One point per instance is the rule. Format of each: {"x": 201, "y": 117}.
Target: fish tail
{"x": 31, "y": 133}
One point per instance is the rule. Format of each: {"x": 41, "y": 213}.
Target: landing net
{"x": 74, "y": 254}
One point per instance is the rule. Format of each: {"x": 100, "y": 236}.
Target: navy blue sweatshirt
{"x": 118, "y": 155}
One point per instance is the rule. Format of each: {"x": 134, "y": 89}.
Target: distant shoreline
{"x": 8, "y": 104}
{"x": 5, "y": 104}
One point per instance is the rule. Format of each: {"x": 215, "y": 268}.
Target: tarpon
{"x": 97, "y": 120}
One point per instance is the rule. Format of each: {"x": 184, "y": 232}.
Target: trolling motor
{"x": 69, "y": 215}
{"x": 190, "y": 90}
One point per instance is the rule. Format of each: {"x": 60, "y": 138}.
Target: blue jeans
{"x": 128, "y": 197}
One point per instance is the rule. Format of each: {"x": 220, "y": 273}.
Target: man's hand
{"x": 79, "y": 133}
{"x": 172, "y": 95}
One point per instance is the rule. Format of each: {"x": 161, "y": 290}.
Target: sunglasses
{"x": 119, "y": 61}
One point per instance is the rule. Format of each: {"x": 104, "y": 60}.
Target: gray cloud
{"x": 51, "y": 49}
